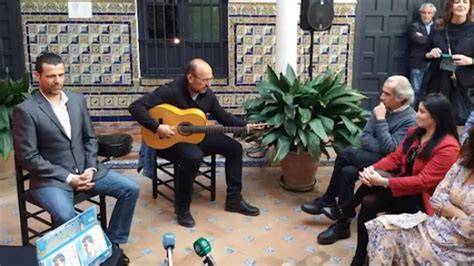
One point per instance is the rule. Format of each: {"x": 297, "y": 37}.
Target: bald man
{"x": 193, "y": 91}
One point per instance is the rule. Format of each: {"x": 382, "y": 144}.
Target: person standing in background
{"x": 451, "y": 71}
{"x": 419, "y": 33}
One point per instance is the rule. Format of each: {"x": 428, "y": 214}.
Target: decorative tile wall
{"x": 255, "y": 49}
{"x": 252, "y": 41}
{"x": 101, "y": 53}
{"x": 94, "y": 53}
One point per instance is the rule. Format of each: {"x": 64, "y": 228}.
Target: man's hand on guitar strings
{"x": 165, "y": 131}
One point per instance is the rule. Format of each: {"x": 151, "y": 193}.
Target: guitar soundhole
{"x": 182, "y": 128}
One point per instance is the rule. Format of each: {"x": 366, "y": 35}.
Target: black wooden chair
{"x": 207, "y": 171}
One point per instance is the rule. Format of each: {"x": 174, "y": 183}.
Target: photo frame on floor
{"x": 80, "y": 241}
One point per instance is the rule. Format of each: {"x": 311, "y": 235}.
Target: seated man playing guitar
{"x": 192, "y": 91}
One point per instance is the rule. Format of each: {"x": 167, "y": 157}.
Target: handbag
{"x": 460, "y": 97}
{"x": 461, "y": 105}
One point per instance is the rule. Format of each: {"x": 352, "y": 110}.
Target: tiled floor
{"x": 281, "y": 234}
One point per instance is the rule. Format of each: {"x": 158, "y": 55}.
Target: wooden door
{"x": 11, "y": 44}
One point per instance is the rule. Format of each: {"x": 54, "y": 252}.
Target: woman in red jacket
{"x": 421, "y": 160}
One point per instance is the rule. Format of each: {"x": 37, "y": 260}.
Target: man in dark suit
{"x": 54, "y": 140}
{"x": 419, "y": 32}
{"x": 192, "y": 91}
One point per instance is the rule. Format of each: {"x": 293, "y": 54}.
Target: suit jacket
{"x": 43, "y": 148}
{"x": 419, "y": 45}
{"x": 427, "y": 173}
{"x": 176, "y": 93}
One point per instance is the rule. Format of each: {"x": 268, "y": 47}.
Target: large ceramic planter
{"x": 7, "y": 167}
{"x": 298, "y": 172}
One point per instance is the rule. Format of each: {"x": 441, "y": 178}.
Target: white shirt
{"x": 61, "y": 113}
{"x": 428, "y": 27}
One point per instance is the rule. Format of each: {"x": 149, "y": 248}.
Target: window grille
{"x": 171, "y": 32}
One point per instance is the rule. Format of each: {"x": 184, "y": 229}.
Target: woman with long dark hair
{"x": 451, "y": 71}
{"x": 445, "y": 238}
{"x": 404, "y": 180}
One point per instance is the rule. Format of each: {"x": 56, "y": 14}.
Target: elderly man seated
{"x": 384, "y": 130}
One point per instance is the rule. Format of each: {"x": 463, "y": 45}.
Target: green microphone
{"x": 203, "y": 249}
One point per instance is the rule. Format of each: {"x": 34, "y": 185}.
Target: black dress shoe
{"x": 185, "y": 219}
{"x": 315, "y": 206}
{"x": 240, "y": 206}
{"x": 334, "y": 213}
{"x": 358, "y": 261}
{"x": 334, "y": 233}
{"x": 125, "y": 259}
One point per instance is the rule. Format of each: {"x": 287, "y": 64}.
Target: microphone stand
{"x": 209, "y": 261}
{"x": 311, "y": 47}
{"x": 169, "y": 256}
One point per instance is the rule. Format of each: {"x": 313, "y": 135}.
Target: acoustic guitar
{"x": 190, "y": 126}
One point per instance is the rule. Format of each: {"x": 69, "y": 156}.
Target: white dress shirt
{"x": 61, "y": 113}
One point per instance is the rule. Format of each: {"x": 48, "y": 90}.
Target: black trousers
{"x": 374, "y": 200}
{"x": 346, "y": 173}
{"x": 188, "y": 158}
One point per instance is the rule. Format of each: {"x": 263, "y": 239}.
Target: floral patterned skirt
{"x": 415, "y": 239}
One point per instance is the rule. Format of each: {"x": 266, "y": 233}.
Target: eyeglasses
{"x": 209, "y": 80}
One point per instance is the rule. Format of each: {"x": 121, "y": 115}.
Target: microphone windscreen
{"x": 169, "y": 241}
{"x": 202, "y": 247}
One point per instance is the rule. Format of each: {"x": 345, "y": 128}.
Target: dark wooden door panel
{"x": 11, "y": 45}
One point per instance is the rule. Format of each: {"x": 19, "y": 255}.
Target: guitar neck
{"x": 211, "y": 129}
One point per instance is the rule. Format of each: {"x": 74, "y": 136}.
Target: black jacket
{"x": 419, "y": 45}
{"x": 462, "y": 42}
{"x": 176, "y": 93}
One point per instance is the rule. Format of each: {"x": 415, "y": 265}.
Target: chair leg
{"x": 23, "y": 221}
{"x": 103, "y": 212}
{"x": 154, "y": 179}
{"x": 213, "y": 177}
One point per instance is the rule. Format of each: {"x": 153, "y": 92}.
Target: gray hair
{"x": 403, "y": 89}
{"x": 426, "y": 5}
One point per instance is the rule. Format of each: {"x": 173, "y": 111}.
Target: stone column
{"x": 286, "y": 34}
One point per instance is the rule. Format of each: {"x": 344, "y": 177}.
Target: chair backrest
{"x": 21, "y": 179}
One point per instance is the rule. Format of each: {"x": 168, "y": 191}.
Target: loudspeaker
{"x": 316, "y": 15}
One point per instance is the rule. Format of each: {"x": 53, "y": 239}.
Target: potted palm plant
{"x": 306, "y": 117}
{"x": 11, "y": 93}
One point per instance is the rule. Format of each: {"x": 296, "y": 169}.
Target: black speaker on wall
{"x": 316, "y": 15}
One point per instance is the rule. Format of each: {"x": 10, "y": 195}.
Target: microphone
{"x": 202, "y": 247}
{"x": 168, "y": 243}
